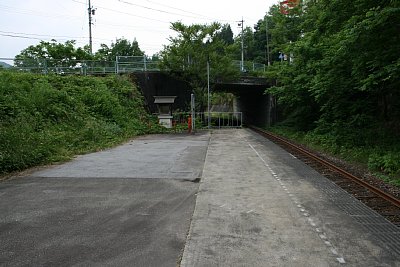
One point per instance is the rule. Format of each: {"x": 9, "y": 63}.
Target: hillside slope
{"x": 51, "y": 118}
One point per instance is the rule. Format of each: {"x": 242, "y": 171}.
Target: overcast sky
{"x": 26, "y": 22}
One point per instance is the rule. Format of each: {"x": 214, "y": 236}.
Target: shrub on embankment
{"x": 51, "y": 118}
{"x": 375, "y": 147}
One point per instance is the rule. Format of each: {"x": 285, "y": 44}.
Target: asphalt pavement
{"x": 127, "y": 206}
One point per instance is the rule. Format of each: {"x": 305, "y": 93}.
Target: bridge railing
{"x": 122, "y": 64}
{"x": 249, "y": 66}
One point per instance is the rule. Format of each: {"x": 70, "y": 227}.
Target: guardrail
{"x": 122, "y": 64}
{"x": 218, "y": 120}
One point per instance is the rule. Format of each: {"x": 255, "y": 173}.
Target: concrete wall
{"x": 161, "y": 84}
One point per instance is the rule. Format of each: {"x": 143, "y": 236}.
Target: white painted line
{"x": 250, "y": 211}
{"x": 322, "y": 236}
{"x": 334, "y": 251}
{"x": 341, "y": 260}
{"x": 258, "y": 155}
{"x": 293, "y": 156}
{"x": 222, "y": 206}
{"x": 328, "y": 243}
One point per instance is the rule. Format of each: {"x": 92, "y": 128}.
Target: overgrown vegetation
{"x": 335, "y": 65}
{"x": 51, "y": 118}
{"x": 341, "y": 91}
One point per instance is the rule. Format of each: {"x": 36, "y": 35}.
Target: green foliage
{"x": 388, "y": 163}
{"x": 50, "y": 118}
{"x": 225, "y": 34}
{"x": 56, "y": 53}
{"x": 342, "y": 89}
{"x": 375, "y": 149}
{"x": 188, "y": 53}
{"x": 122, "y": 47}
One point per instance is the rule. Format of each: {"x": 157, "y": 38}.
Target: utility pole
{"x": 266, "y": 32}
{"x": 242, "y": 61}
{"x": 91, "y": 12}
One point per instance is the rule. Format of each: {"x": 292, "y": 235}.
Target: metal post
{"x": 90, "y": 10}
{"x": 144, "y": 61}
{"x": 192, "y": 109}
{"x": 242, "y": 62}
{"x": 45, "y": 67}
{"x": 208, "y": 93}
{"x": 266, "y": 32}
{"x": 116, "y": 65}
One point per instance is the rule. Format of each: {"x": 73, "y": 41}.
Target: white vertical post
{"x": 192, "y": 109}
{"x": 116, "y": 65}
{"x": 208, "y": 93}
{"x": 266, "y": 33}
{"x": 242, "y": 67}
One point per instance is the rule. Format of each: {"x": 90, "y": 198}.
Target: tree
{"x": 225, "y": 34}
{"x": 56, "y": 54}
{"x": 346, "y": 60}
{"x": 187, "y": 54}
{"x": 122, "y": 47}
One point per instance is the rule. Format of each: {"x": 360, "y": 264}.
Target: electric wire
{"x": 46, "y": 35}
{"x": 125, "y": 13}
{"x": 30, "y": 12}
{"x": 198, "y": 16}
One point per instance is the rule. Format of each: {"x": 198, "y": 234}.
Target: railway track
{"x": 373, "y": 196}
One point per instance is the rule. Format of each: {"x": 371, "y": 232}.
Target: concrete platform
{"x": 259, "y": 206}
{"x": 256, "y": 205}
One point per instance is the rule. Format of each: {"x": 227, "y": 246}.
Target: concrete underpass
{"x": 258, "y": 108}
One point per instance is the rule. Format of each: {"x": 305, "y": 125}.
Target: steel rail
{"x": 360, "y": 181}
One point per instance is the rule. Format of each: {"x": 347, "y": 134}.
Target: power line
{"x": 198, "y": 16}
{"x": 19, "y": 36}
{"x": 155, "y": 9}
{"x": 45, "y": 35}
{"x": 171, "y": 7}
{"x": 122, "y": 12}
{"x": 36, "y": 13}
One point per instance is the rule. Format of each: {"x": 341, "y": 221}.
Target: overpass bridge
{"x": 257, "y": 107}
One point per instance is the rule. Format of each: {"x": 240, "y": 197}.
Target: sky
{"x": 26, "y": 22}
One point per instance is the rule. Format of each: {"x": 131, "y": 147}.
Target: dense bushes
{"x": 373, "y": 148}
{"x": 51, "y": 118}
{"x": 342, "y": 87}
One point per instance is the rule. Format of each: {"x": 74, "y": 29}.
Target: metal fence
{"x": 218, "y": 120}
{"x": 122, "y": 64}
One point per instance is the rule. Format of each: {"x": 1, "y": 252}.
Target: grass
{"x": 46, "y": 119}
{"x": 375, "y": 150}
